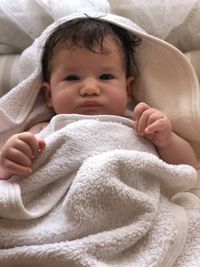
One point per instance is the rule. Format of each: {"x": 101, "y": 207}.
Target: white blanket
{"x": 99, "y": 196}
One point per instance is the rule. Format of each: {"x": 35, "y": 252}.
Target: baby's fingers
{"x": 42, "y": 144}
{"x": 35, "y": 145}
{"x": 15, "y": 168}
{"x": 19, "y": 157}
{"x": 159, "y": 125}
{"x": 139, "y": 109}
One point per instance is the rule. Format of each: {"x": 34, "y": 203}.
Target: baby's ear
{"x": 45, "y": 87}
{"x": 129, "y": 86}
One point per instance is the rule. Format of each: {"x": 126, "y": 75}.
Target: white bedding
{"x": 28, "y": 18}
{"x": 174, "y": 21}
{"x": 150, "y": 220}
{"x": 97, "y": 199}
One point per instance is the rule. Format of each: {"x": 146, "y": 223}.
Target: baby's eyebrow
{"x": 112, "y": 68}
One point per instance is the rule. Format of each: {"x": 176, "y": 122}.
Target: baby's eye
{"x": 72, "y": 78}
{"x": 106, "y": 76}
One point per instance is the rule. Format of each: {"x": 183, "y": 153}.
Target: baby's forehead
{"x": 95, "y": 45}
{"x": 82, "y": 58}
{"x": 108, "y": 45}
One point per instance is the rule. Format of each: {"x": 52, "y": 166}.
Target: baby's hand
{"x": 19, "y": 151}
{"x": 152, "y": 124}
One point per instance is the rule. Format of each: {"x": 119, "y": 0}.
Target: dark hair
{"x": 87, "y": 33}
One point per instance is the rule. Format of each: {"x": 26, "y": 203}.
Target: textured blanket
{"x": 99, "y": 196}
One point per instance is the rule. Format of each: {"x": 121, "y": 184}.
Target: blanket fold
{"x": 103, "y": 200}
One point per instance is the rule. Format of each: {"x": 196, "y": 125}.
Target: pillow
{"x": 9, "y": 76}
{"x": 174, "y": 21}
{"x": 25, "y": 20}
{"x": 12, "y": 38}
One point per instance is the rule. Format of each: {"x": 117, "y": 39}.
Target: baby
{"x": 86, "y": 70}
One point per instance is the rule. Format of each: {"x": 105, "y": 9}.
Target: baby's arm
{"x": 18, "y": 153}
{"x": 156, "y": 127}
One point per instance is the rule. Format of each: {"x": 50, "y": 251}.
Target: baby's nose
{"x": 90, "y": 88}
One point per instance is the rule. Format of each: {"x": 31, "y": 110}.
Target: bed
{"x": 156, "y": 222}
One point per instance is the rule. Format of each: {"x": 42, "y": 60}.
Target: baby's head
{"x": 88, "y": 67}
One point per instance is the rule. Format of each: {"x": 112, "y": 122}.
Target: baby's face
{"x": 88, "y": 83}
